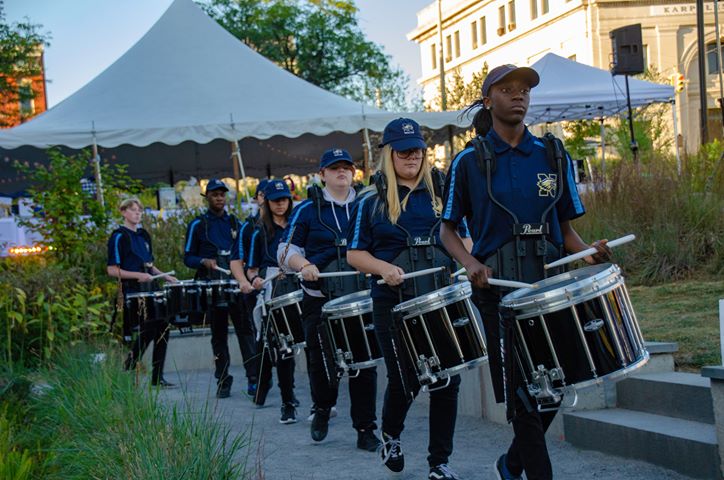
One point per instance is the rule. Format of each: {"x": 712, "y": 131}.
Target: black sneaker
{"x": 223, "y": 389}
{"x": 320, "y": 424}
{"x": 391, "y": 453}
{"x": 312, "y": 411}
{"x": 367, "y": 440}
{"x": 295, "y": 401}
{"x": 289, "y": 414}
{"x": 442, "y": 472}
{"x": 501, "y": 470}
{"x": 163, "y": 384}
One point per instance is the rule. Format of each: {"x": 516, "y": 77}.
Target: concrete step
{"x": 683, "y": 445}
{"x": 674, "y": 394}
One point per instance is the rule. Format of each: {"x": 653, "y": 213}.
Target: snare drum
{"x": 352, "y": 332}
{"x": 285, "y": 323}
{"x": 145, "y": 307}
{"x": 184, "y": 296}
{"x": 219, "y": 293}
{"x": 441, "y": 333}
{"x": 576, "y": 329}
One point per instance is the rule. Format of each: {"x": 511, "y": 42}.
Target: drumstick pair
{"x": 160, "y": 275}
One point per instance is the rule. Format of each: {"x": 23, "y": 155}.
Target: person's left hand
{"x": 171, "y": 278}
{"x": 603, "y": 253}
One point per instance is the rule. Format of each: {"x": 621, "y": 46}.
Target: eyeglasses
{"x": 510, "y": 91}
{"x": 405, "y": 154}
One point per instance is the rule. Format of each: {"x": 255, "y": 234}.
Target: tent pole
{"x": 237, "y": 153}
{"x": 97, "y": 170}
{"x": 603, "y": 149}
{"x": 676, "y": 136}
{"x": 367, "y": 152}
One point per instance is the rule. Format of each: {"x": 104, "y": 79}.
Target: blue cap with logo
{"x": 276, "y": 189}
{"x": 497, "y": 74}
{"x": 260, "y": 187}
{"x": 403, "y": 134}
{"x": 216, "y": 184}
{"x": 334, "y": 155}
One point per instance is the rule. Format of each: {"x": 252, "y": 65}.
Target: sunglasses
{"x": 405, "y": 154}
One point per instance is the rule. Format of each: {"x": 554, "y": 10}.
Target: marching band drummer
{"x": 316, "y": 241}
{"x": 209, "y": 241}
{"x": 403, "y": 210}
{"x": 130, "y": 260}
{"x": 518, "y": 195}
{"x": 262, "y": 264}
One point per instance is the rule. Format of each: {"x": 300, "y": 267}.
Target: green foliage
{"x": 458, "y": 93}
{"x": 577, "y": 135}
{"x": 319, "y": 41}
{"x": 66, "y": 217}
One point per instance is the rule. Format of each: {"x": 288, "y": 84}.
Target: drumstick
{"x": 222, "y": 270}
{"x": 332, "y": 274}
{"x": 504, "y": 283}
{"x": 419, "y": 273}
{"x": 589, "y": 251}
{"x": 154, "y": 277}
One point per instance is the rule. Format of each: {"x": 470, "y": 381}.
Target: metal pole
{"x": 603, "y": 150}
{"x": 634, "y": 145}
{"x": 441, "y": 63}
{"x": 367, "y": 153}
{"x": 676, "y": 137}
{"x": 97, "y": 170}
{"x": 237, "y": 154}
{"x": 718, "y": 56}
{"x": 700, "y": 46}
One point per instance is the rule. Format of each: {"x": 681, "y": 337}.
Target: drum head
{"x": 434, "y": 300}
{"x": 353, "y": 304}
{"x": 287, "y": 299}
{"x": 563, "y": 290}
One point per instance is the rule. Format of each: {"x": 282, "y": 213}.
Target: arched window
{"x": 712, "y": 60}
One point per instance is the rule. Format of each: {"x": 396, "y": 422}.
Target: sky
{"x": 87, "y": 36}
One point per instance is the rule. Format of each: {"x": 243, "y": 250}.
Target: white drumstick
{"x": 458, "y": 273}
{"x": 223, "y": 270}
{"x": 589, "y": 251}
{"x": 154, "y": 277}
{"x": 503, "y": 283}
{"x": 332, "y": 274}
{"x": 419, "y": 273}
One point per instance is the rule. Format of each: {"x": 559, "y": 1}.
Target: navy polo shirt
{"x": 240, "y": 250}
{"x": 316, "y": 237}
{"x": 206, "y": 235}
{"x": 263, "y": 248}
{"x": 523, "y": 181}
{"x": 372, "y": 231}
{"x": 129, "y": 249}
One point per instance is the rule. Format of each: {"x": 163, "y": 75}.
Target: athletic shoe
{"x": 289, "y": 414}
{"x": 367, "y": 440}
{"x": 501, "y": 470}
{"x": 163, "y": 384}
{"x": 442, "y": 472}
{"x": 333, "y": 412}
{"x": 312, "y": 411}
{"x": 251, "y": 389}
{"x": 320, "y": 425}
{"x": 295, "y": 401}
{"x": 223, "y": 389}
{"x": 391, "y": 453}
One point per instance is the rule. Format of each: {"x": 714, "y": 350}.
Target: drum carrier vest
{"x": 523, "y": 257}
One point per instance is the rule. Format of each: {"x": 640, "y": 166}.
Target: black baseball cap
{"x": 497, "y": 74}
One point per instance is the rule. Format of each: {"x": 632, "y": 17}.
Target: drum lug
{"x": 425, "y": 366}
{"x": 542, "y": 388}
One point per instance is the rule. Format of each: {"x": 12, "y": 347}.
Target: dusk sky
{"x": 89, "y": 35}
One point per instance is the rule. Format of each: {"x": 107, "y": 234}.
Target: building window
{"x": 483, "y": 31}
{"x": 433, "y": 55}
{"x": 448, "y": 48}
{"x": 533, "y": 9}
{"x": 544, "y": 7}
{"x": 511, "y": 15}
{"x": 474, "y": 34}
{"x": 27, "y": 102}
{"x": 501, "y": 20}
{"x": 712, "y": 60}
{"x": 457, "y": 43}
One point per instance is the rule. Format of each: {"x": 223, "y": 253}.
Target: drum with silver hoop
{"x": 441, "y": 333}
{"x": 184, "y": 296}
{"x": 219, "y": 293}
{"x": 575, "y": 329}
{"x": 145, "y": 307}
{"x": 352, "y": 332}
{"x": 285, "y": 323}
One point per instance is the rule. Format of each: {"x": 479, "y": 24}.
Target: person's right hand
{"x": 245, "y": 287}
{"x": 144, "y": 277}
{"x": 393, "y": 276}
{"x": 310, "y": 273}
{"x": 209, "y": 263}
{"x": 478, "y": 274}
{"x": 257, "y": 283}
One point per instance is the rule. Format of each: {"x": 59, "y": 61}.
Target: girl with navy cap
{"x": 316, "y": 241}
{"x": 262, "y": 264}
{"x": 404, "y": 205}
{"x": 505, "y": 180}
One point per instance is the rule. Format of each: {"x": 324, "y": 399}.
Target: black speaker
{"x": 628, "y": 51}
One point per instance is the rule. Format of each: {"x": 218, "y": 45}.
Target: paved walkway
{"x": 287, "y": 451}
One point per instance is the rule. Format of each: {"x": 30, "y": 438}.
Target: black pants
{"x": 398, "y": 397}
{"x": 244, "y": 328}
{"x": 285, "y": 373}
{"x": 362, "y": 389}
{"x": 157, "y": 332}
{"x": 528, "y": 452}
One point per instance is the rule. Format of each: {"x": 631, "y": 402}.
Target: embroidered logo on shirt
{"x": 547, "y": 184}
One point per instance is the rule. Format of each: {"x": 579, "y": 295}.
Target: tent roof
{"x": 569, "y": 90}
{"x": 189, "y": 79}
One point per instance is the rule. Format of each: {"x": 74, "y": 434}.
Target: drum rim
{"x": 336, "y": 308}
{"x": 227, "y": 281}
{"x": 366, "y": 364}
{"x": 527, "y": 301}
{"x": 154, "y": 294}
{"x": 616, "y": 374}
{"x": 434, "y": 300}
{"x": 287, "y": 299}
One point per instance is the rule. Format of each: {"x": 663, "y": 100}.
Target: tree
{"x": 318, "y": 41}
{"x": 20, "y": 47}
{"x": 458, "y": 93}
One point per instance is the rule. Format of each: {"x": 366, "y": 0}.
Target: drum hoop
{"x": 154, "y": 294}
{"x": 342, "y": 308}
{"x": 616, "y": 374}
{"x": 434, "y": 300}
{"x": 287, "y": 299}
{"x": 181, "y": 284}
{"x": 221, "y": 282}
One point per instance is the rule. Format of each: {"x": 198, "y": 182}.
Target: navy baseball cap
{"x": 334, "y": 155}
{"x": 276, "y": 189}
{"x": 497, "y": 74}
{"x": 403, "y": 134}
{"x": 260, "y": 187}
{"x": 216, "y": 184}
